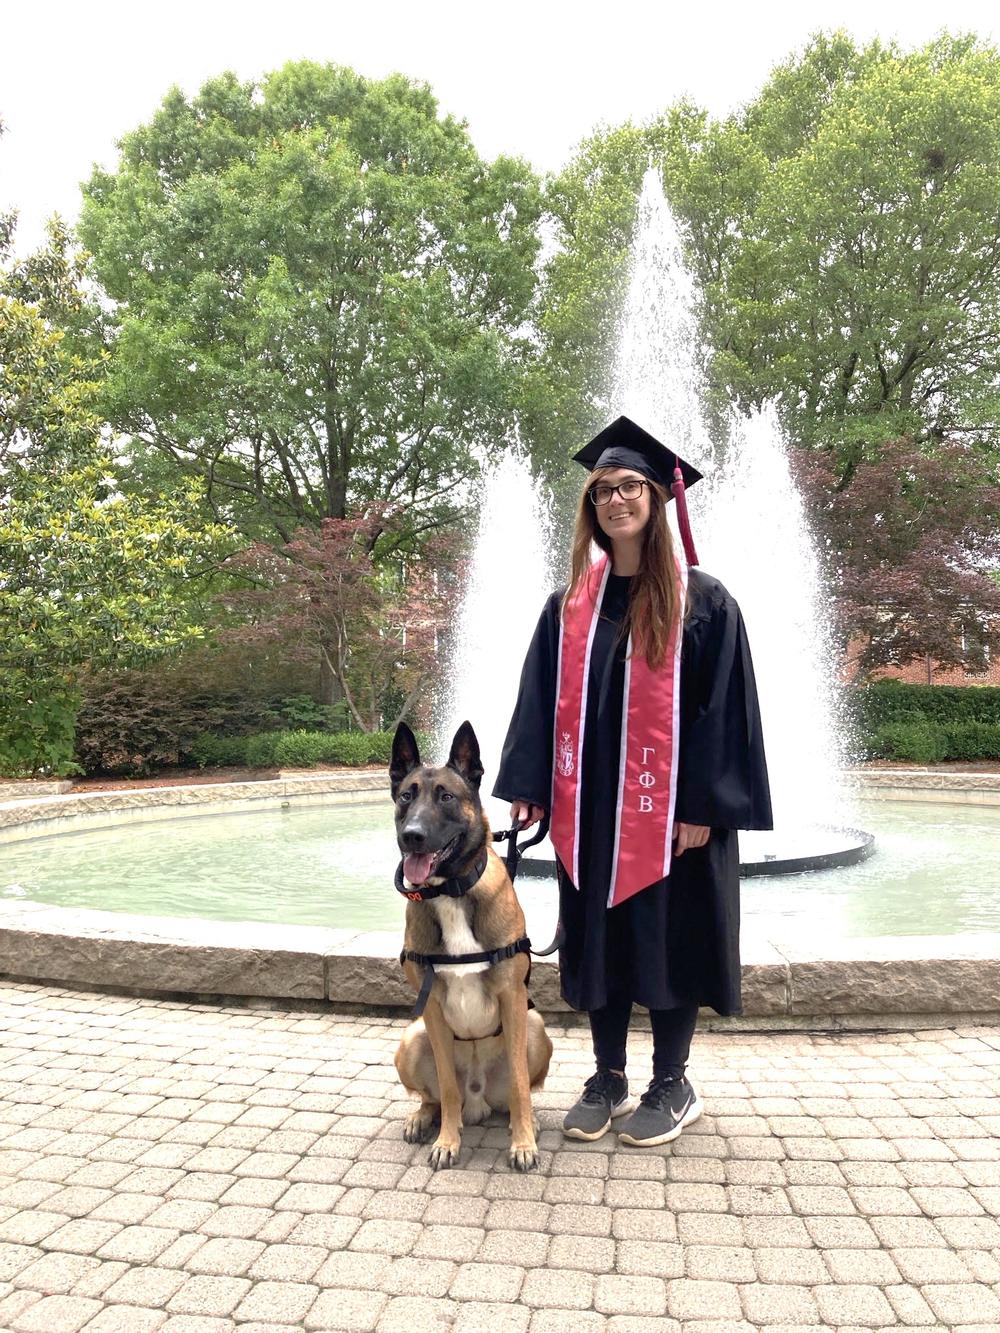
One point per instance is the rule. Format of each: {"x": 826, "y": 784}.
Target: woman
{"x": 637, "y": 728}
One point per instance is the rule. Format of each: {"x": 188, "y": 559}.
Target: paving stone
{"x": 417, "y": 1314}
{"x": 277, "y": 1302}
{"x": 65, "y": 1313}
{"x": 224, "y": 1257}
{"x": 644, "y": 1258}
{"x": 530, "y": 1249}
{"x": 346, "y": 1310}
{"x": 56, "y": 1274}
{"x": 619, "y": 1294}
{"x": 777, "y": 1303}
{"x": 754, "y": 1221}
{"x": 864, "y": 1306}
{"x": 720, "y": 1263}
{"x": 567, "y": 1321}
{"x": 211, "y": 1296}
{"x": 487, "y": 1282}
{"x": 486, "y": 1317}
{"x": 127, "y": 1319}
{"x": 560, "y": 1289}
{"x": 963, "y": 1303}
{"x": 790, "y": 1266}
{"x": 861, "y": 1267}
{"x": 146, "y": 1286}
{"x": 690, "y": 1299}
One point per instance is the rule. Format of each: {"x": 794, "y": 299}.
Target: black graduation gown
{"x": 676, "y": 942}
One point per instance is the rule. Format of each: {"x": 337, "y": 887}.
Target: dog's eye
{"x": 447, "y": 796}
{"x": 406, "y": 797}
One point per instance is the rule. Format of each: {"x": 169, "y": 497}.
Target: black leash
{"x": 457, "y": 887}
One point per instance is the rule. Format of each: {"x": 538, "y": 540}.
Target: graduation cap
{"x": 624, "y": 444}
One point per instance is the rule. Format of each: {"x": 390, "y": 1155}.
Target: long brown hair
{"x": 653, "y": 602}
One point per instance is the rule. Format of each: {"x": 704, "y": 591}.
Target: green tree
{"x": 844, "y": 230}
{"x": 318, "y": 292}
{"x": 89, "y": 577}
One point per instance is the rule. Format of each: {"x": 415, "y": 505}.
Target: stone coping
{"x": 783, "y": 980}
{"x": 945, "y": 787}
{"x": 40, "y": 816}
{"x": 893, "y": 975}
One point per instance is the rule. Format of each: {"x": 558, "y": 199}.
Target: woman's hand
{"x": 526, "y": 813}
{"x": 689, "y": 835}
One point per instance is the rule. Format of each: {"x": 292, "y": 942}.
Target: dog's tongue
{"x": 417, "y": 866}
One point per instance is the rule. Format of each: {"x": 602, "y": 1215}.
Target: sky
{"x": 531, "y": 79}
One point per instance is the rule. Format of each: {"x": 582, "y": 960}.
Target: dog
{"x": 478, "y": 1046}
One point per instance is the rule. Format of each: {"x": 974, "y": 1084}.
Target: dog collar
{"x": 456, "y": 887}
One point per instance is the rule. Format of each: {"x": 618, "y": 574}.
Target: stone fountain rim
{"x": 856, "y": 981}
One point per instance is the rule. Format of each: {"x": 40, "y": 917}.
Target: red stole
{"x": 647, "y": 765}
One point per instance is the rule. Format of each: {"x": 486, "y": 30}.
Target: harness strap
{"x": 428, "y": 960}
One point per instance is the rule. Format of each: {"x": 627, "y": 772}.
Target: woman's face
{"x": 622, "y": 519}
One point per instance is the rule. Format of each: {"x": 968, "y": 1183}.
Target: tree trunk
{"x": 329, "y": 686}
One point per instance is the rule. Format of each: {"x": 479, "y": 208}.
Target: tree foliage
{"x": 318, "y": 288}
{"x": 912, "y": 546}
{"x": 844, "y": 230}
{"x": 374, "y": 625}
{"x": 89, "y": 577}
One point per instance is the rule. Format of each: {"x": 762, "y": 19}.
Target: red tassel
{"x": 683, "y": 522}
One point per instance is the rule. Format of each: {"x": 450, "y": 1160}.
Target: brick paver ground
{"x": 194, "y": 1169}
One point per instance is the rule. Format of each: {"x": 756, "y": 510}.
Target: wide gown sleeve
{"x": 526, "y": 762}
{"x": 722, "y": 774}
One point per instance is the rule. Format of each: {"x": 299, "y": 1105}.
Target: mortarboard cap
{"x": 624, "y": 444}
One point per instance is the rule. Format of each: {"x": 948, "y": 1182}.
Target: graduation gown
{"x": 676, "y": 942}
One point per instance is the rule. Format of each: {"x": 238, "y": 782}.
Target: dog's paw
{"x": 418, "y": 1128}
{"x": 522, "y": 1157}
{"x": 444, "y": 1154}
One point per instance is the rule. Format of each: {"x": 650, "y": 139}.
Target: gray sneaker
{"x": 605, "y": 1096}
{"x": 667, "y": 1105}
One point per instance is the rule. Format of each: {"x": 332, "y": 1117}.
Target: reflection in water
{"x": 934, "y": 873}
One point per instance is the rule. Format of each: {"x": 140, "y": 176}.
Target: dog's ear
{"x": 405, "y": 756}
{"x": 464, "y": 757}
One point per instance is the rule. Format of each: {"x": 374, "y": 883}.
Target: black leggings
{"x": 672, "y": 1033}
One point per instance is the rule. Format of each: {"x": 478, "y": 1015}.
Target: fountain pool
{"x": 933, "y": 873}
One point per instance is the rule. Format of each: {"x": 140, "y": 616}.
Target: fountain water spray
{"x": 510, "y": 577}
{"x": 748, "y": 521}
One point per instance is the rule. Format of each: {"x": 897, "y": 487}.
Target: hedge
{"x": 294, "y": 749}
{"x": 891, "y": 701}
{"x": 919, "y": 741}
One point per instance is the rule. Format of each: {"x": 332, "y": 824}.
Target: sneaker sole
{"x": 691, "y": 1115}
{"x": 629, "y": 1104}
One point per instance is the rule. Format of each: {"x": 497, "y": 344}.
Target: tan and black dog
{"x": 478, "y": 1046}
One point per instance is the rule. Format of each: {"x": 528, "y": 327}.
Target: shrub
{"x": 972, "y": 740}
{"x": 36, "y": 732}
{"x": 295, "y": 749}
{"x": 916, "y": 742}
{"x": 301, "y": 712}
{"x": 209, "y": 751}
{"x": 137, "y": 722}
{"x": 892, "y": 701}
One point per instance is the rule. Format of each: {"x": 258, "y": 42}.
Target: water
{"x": 934, "y": 873}
{"x": 510, "y": 577}
{"x": 749, "y": 526}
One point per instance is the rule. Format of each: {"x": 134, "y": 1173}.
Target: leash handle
{"x": 514, "y": 852}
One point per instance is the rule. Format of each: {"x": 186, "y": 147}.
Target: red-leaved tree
{"x": 373, "y": 626}
{"x": 912, "y": 547}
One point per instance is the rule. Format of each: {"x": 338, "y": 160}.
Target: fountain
{"x": 749, "y": 528}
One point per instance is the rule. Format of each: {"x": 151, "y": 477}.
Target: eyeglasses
{"x": 630, "y": 489}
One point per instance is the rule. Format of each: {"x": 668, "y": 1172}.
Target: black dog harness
{"x": 457, "y": 887}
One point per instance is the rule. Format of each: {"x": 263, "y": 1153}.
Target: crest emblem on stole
{"x": 564, "y": 758}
